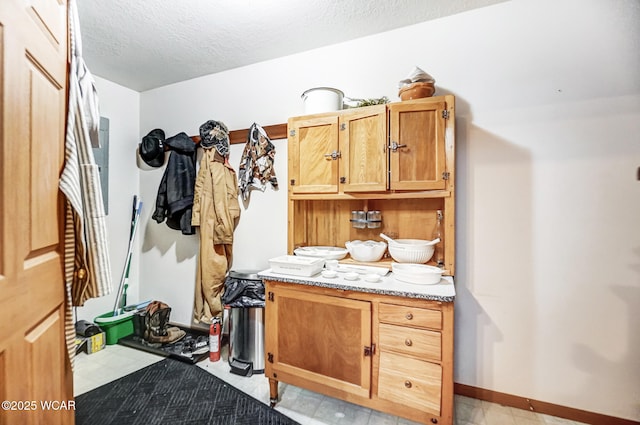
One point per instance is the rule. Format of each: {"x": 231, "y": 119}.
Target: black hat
{"x": 152, "y": 148}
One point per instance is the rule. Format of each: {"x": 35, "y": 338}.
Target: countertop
{"x": 387, "y": 285}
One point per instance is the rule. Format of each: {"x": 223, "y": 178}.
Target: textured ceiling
{"x": 144, "y": 44}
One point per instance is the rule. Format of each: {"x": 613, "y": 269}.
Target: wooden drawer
{"x": 410, "y": 316}
{"x": 417, "y": 342}
{"x": 410, "y": 382}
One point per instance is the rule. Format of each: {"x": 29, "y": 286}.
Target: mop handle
{"x": 125, "y": 271}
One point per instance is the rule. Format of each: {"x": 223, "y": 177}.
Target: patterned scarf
{"x": 215, "y": 134}
{"x": 256, "y": 165}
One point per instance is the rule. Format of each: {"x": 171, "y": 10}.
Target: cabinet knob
{"x": 333, "y": 155}
{"x": 408, "y": 384}
{"x": 409, "y": 316}
{"x": 408, "y": 342}
{"x": 394, "y": 146}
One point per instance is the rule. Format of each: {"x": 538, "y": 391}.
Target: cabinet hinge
{"x": 270, "y": 357}
{"x": 370, "y": 351}
{"x": 343, "y": 180}
{"x": 445, "y": 175}
{"x": 343, "y": 127}
{"x": 271, "y": 298}
{"x": 445, "y": 114}
{"x": 292, "y": 133}
{"x": 293, "y": 182}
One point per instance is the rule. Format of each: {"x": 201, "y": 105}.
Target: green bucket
{"x": 115, "y": 327}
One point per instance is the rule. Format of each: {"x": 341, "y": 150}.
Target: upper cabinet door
{"x": 363, "y": 167}
{"x": 313, "y": 154}
{"x": 417, "y": 145}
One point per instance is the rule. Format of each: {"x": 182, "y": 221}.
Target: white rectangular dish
{"x": 296, "y": 265}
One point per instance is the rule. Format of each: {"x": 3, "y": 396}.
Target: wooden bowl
{"x": 416, "y": 91}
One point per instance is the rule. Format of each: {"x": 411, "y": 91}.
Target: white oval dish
{"x": 420, "y": 274}
{"x": 329, "y": 273}
{"x": 351, "y": 276}
{"x": 326, "y": 252}
{"x": 371, "y": 277}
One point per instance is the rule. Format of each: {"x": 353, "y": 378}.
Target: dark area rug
{"x": 173, "y": 392}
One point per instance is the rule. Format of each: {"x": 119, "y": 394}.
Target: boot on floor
{"x": 157, "y": 329}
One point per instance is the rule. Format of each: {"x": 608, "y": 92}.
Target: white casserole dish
{"x": 419, "y": 274}
{"x": 296, "y": 266}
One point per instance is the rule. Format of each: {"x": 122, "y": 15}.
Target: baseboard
{"x": 539, "y": 406}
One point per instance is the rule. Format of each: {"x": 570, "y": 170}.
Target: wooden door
{"x": 318, "y": 339}
{"x": 313, "y": 154}
{"x": 363, "y": 138}
{"x": 417, "y": 128}
{"x": 34, "y": 368}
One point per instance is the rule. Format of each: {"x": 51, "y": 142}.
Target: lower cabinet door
{"x": 410, "y": 382}
{"x": 320, "y": 338}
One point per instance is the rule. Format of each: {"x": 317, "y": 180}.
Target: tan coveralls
{"x": 216, "y": 211}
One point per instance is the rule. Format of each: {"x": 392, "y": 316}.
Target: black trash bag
{"x": 243, "y": 292}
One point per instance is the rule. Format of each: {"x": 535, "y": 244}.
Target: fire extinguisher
{"x": 215, "y": 333}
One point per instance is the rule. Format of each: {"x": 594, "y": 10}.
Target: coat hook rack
{"x": 275, "y": 132}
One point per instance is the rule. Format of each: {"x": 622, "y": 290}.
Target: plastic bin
{"x": 115, "y": 327}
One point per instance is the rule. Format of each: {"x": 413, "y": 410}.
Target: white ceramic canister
{"x": 322, "y": 99}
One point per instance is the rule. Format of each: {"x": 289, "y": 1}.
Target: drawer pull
{"x": 408, "y": 342}
{"x": 407, "y": 384}
{"x": 409, "y": 316}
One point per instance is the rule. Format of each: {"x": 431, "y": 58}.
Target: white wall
{"x": 548, "y": 243}
{"x": 122, "y": 107}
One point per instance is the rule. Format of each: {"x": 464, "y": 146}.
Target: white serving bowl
{"x": 366, "y": 250}
{"x": 411, "y": 250}
{"x": 420, "y": 274}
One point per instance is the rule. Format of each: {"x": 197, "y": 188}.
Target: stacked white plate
{"x": 420, "y": 274}
{"x": 326, "y": 252}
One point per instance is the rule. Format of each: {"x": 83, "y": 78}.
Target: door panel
{"x": 51, "y": 17}
{"x": 364, "y": 157}
{"x": 33, "y": 363}
{"x": 45, "y": 95}
{"x": 312, "y": 168}
{"x": 419, "y": 129}
{"x": 322, "y": 339}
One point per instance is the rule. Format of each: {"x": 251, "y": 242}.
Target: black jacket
{"x": 175, "y": 194}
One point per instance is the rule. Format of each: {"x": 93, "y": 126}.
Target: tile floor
{"x": 306, "y": 407}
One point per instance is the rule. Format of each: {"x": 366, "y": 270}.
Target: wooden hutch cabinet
{"x": 389, "y": 352}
